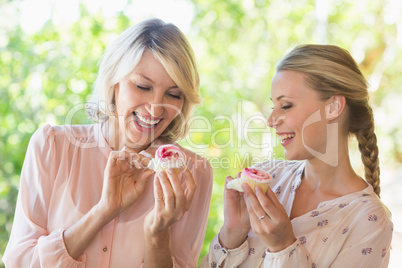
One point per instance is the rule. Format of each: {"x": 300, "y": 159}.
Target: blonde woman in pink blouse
{"x": 318, "y": 212}
{"x": 86, "y": 198}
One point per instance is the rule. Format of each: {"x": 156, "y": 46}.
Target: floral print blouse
{"x": 354, "y": 230}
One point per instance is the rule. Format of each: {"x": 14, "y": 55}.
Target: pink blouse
{"x": 61, "y": 181}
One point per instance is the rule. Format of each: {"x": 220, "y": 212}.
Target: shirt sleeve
{"x": 30, "y": 243}
{"x": 218, "y": 256}
{"x": 293, "y": 256}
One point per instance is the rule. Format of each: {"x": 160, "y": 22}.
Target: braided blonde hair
{"x": 332, "y": 71}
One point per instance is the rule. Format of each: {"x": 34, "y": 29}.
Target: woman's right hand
{"x": 236, "y": 222}
{"x": 123, "y": 183}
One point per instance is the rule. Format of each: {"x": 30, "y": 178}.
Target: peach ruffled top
{"x": 61, "y": 181}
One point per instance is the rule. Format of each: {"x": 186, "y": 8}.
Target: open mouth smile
{"x": 286, "y": 138}
{"x": 144, "y": 122}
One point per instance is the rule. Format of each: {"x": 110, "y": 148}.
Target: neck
{"x": 115, "y": 138}
{"x": 339, "y": 180}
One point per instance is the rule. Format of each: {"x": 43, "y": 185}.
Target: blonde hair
{"x": 170, "y": 47}
{"x": 332, "y": 71}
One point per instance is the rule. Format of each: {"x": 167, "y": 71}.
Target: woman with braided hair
{"x": 317, "y": 212}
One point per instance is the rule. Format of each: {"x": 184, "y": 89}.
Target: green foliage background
{"x": 49, "y": 73}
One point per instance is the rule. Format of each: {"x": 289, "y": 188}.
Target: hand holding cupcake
{"x": 253, "y": 177}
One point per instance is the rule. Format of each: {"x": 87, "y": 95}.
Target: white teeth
{"x": 146, "y": 121}
{"x": 286, "y": 136}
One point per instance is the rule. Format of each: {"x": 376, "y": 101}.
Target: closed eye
{"x": 143, "y": 88}
{"x": 286, "y": 107}
{"x": 175, "y": 96}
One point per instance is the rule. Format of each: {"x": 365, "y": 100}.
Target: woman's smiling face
{"x": 295, "y": 105}
{"x": 147, "y": 101}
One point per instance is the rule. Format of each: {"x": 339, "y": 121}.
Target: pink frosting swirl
{"x": 256, "y": 174}
{"x": 170, "y": 152}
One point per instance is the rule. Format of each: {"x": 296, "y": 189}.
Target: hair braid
{"x": 369, "y": 152}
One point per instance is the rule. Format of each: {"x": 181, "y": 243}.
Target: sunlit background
{"x": 49, "y": 51}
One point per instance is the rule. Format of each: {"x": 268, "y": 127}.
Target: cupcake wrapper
{"x": 236, "y": 184}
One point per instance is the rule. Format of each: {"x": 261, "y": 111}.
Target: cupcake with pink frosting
{"x": 253, "y": 177}
{"x": 167, "y": 156}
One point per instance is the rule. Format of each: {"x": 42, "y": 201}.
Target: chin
{"x": 294, "y": 157}
{"x": 138, "y": 140}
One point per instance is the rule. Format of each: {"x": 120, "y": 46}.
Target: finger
{"x": 144, "y": 158}
{"x": 266, "y": 203}
{"x": 139, "y": 161}
{"x": 168, "y": 193}
{"x": 123, "y": 155}
{"x": 191, "y": 187}
{"x": 227, "y": 179}
{"x": 117, "y": 157}
{"x": 158, "y": 194}
{"x": 254, "y": 207}
{"x": 272, "y": 196}
{"x": 134, "y": 160}
{"x": 123, "y": 161}
{"x": 238, "y": 175}
{"x": 112, "y": 158}
{"x": 173, "y": 176}
{"x": 279, "y": 209}
{"x": 146, "y": 154}
{"x": 251, "y": 214}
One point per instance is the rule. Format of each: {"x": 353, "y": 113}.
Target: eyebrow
{"x": 279, "y": 98}
{"x": 150, "y": 80}
{"x": 145, "y": 77}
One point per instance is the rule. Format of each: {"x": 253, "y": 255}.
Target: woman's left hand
{"x": 172, "y": 200}
{"x": 268, "y": 218}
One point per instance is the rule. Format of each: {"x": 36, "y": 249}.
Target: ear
{"x": 335, "y": 107}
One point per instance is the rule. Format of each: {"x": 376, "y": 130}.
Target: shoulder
{"x": 49, "y": 135}
{"x": 42, "y": 137}
{"x": 370, "y": 210}
{"x": 49, "y": 131}
{"x": 368, "y": 217}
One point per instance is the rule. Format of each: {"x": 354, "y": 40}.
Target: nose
{"x": 274, "y": 120}
{"x": 270, "y": 122}
{"x": 155, "y": 106}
